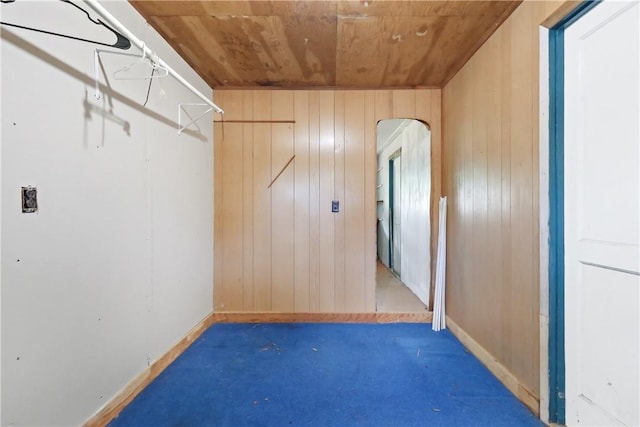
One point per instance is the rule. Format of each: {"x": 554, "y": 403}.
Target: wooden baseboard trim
{"x": 113, "y": 408}
{"x": 267, "y": 317}
{"x": 512, "y": 383}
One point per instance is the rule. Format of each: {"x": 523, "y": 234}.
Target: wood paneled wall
{"x": 491, "y": 176}
{"x": 281, "y": 248}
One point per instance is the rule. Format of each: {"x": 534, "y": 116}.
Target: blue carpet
{"x": 379, "y": 375}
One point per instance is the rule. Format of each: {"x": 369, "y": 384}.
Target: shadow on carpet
{"x": 325, "y": 375}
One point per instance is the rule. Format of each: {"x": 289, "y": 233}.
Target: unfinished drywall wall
{"x": 281, "y": 248}
{"x": 414, "y": 139}
{"x": 491, "y": 178}
{"x": 116, "y": 265}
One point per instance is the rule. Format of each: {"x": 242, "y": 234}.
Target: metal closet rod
{"x": 111, "y": 20}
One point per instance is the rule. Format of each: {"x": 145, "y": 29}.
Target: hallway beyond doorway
{"x": 393, "y": 296}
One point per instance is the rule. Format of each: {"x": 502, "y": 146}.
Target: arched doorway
{"x": 403, "y": 197}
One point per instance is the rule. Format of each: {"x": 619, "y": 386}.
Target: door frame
{"x": 556, "y": 341}
{"x": 392, "y": 205}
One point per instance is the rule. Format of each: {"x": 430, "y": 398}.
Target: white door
{"x": 602, "y": 216}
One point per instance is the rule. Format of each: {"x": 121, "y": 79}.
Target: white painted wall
{"x": 117, "y": 264}
{"x": 415, "y": 141}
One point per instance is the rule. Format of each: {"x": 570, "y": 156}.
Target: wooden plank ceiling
{"x": 341, "y": 44}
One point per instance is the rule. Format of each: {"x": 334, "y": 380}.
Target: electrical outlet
{"x": 29, "y": 199}
{"x": 335, "y": 206}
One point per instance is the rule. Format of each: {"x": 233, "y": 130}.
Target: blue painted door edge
{"x": 556, "y": 212}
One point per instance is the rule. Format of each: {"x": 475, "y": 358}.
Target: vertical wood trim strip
{"x": 506, "y": 183}
{"x": 314, "y": 201}
{"x": 354, "y": 158}
{"x": 262, "y": 201}
{"x": 493, "y": 110}
{"x": 247, "y": 206}
{"x": 339, "y": 195}
{"x": 521, "y": 312}
{"x": 424, "y": 114}
{"x": 231, "y": 165}
{"x": 282, "y": 208}
{"x": 465, "y": 289}
{"x": 384, "y": 105}
{"x": 326, "y": 196}
{"x": 302, "y": 215}
{"x": 436, "y": 163}
{"x": 218, "y": 241}
{"x": 534, "y": 366}
{"x": 370, "y": 201}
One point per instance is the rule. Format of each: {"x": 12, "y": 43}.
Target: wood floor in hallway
{"x": 393, "y": 296}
